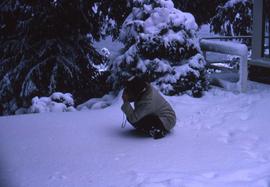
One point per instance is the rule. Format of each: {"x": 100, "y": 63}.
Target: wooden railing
{"x": 232, "y": 48}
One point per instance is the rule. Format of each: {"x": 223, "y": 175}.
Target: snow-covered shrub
{"x": 161, "y": 46}
{"x": 57, "y": 102}
{"x": 98, "y": 103}
{"x": 233, "y": 18}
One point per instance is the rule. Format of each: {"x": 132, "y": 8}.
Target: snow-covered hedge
{"x": 97, "y": 103}
{"x": 57, "y": 102}
{"x": 161, "y": 46}
{"x": 103, "y": 102}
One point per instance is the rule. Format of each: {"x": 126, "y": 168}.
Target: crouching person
{"x": 151, "y": 114}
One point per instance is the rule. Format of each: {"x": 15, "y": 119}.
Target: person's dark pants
{"x": 149, "y": 124}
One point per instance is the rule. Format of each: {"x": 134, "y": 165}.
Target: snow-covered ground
{"x": 220, "y": 140}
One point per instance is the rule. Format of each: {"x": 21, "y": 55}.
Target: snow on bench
{"x": 231, "y": 48}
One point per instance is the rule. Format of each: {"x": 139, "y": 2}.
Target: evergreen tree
{"x": 161, "y": 46}
{"x": 202, "y": 10}
{"x": 46, "y": 46}
{"x": 233, "y": 18}
{"x": 115, "y": 12}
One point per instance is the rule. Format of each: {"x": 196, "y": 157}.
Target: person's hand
{"x": 125, "y": 96}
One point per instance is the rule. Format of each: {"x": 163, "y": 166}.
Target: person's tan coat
{"x": 151, "y": 102}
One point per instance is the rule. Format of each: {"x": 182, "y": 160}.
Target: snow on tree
{"x": 161, "y": 46}
{"x": 233, "y": 18}
{"x": 105, "y": 53}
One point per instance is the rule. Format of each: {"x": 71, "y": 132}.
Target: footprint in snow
{"x": 210, "y": 175}
{"x": 119, "y": 156}
{"x": 226, "y": 136}
{"x": 244, "y": 116}
{"x": 57, "y": 176}
{"x": 255, "y": 149}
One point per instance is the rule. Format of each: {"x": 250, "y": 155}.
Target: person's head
{"x": 134, "y": 87}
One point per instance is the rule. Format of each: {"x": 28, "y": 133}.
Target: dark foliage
{"x": 46, "y": 46}
{"x": 233, "y": 20}
{"x": 202, "y": 10}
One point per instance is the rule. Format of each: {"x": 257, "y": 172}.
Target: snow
{"x": 226, "y": 47}
{"x": 221, "y": 139}
{"x": 205, "y": 32}
{"x": 234, "y": 49}
{"x": 161, "y": 17}
{"x": 105, "y": 52}
{"x": 231, "y": 3}
{"x": 113, "y": 46}
{"x": 197, "y": 61}
{"x": 57, "y": 102}
{"x": 98, "y": 103}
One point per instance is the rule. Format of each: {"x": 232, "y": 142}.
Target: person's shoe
{"x": 157, "y": 133}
